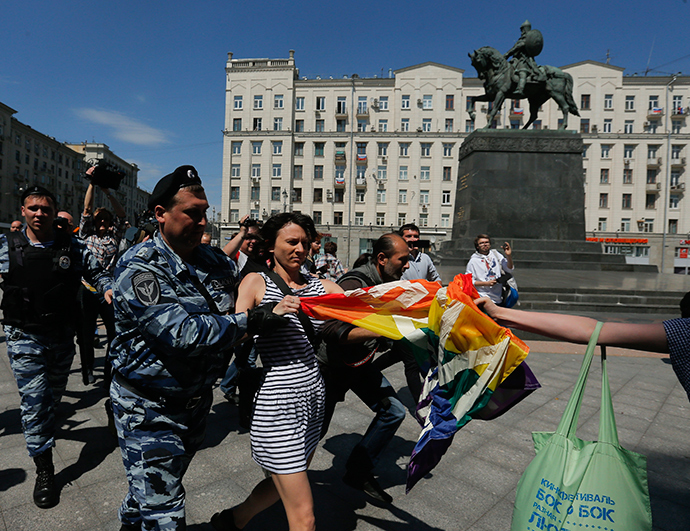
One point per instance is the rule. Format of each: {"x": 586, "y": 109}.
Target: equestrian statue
{"x": 521, "y": 77}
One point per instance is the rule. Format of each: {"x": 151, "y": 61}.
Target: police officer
{"x": 175, "y": 329}
{"x": 41, "y": 269}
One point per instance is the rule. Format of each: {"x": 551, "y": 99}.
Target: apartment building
{"x": 28, "y": 157}
{"x": 363, "y": 156}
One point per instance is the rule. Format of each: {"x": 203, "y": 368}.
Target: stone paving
{"x": 472, "y": 489}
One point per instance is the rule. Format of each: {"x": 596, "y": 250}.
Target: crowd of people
{"x": 178, "y": 310}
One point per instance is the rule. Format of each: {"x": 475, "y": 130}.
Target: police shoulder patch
{"x": 146, "y": 288}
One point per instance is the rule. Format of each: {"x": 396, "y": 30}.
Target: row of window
{"x": 426, "y": 125}
{"x": 652, "y": 175}
{"x": 341, "y": 148}
{"x": 340, "y": 171}
{"x": 42, "y": 150}
{"x": 338, "y": 195}
{"x": 629, "y": 126}
{"x": 380, "y": 103}
{"x": 359, "y": 219}
{"x": 629, "y": 151}
{"x": 643, "y": 225}
{"x": 650, "y": 201}
{"x": 652, "y": 103}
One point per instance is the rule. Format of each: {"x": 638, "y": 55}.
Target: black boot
{"x": 45, "y": 491}
{"x": 358, "y": 475}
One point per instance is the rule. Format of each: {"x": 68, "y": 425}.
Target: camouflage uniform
{"x": 172, "y": 344}
{"x": 41, "y": 356}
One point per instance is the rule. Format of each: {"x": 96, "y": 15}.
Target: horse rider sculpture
{"x": 527, "y": 47}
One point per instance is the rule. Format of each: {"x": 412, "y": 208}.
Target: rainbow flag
{"x": 463, "y": 352}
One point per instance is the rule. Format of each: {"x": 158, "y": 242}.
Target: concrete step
{"x": 577, "y": 246}
{"x": 461, "y": 264}
{"x": 670, "y": 300}
{"x": 601, "y": 307}
{"x": 599, "y": 290}
{"x": 549, "y": 256}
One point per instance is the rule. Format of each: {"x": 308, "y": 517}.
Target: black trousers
{"x": 91, "y": 305}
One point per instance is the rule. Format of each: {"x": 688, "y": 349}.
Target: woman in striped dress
{"x": 289, "y": 406}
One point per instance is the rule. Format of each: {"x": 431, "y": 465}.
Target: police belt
{"x": 173, "y": 402}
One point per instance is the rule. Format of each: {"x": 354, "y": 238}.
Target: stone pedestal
{"x": 520, "y": 184}
{"x": 527, "y": 188}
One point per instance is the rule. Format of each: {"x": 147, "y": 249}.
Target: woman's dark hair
{"x": 330, "y": 248}
{"x": 269, "y": 231}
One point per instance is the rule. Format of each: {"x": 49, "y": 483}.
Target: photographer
{"x": 486, "y": 267}
{"x": 245, "y": 245}
{"x": 100, "y": 231}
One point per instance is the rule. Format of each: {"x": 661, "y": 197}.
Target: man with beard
{"x": 346, "y": 364}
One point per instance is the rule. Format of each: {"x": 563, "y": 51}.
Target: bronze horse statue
{"x": 500, "y": 81}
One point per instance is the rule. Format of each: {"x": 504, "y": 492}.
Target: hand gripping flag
{"x": 464, "y": 353}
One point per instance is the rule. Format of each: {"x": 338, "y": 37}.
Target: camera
{"x": 249, "y": 222}
{"x": 105, "y": 175}
{"x": 61, "y": 224}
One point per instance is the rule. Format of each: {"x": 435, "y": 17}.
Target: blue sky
{"x": 147, "y": 78}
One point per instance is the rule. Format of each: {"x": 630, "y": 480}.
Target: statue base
{"x": 527, "y": 188}
{"x": 520, "y": 184}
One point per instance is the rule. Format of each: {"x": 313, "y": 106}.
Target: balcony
{"x": 678, "y": 162}
{"x": 654, "y": 187}
{"x": 362, "y": 111}
{"x": 654, "y": 162}
{"x": 680, "y": 187}
{"x": 680, "y": 112}
{"x": 361, "y": 182}
{"x": 340, "y": 156}
{"x": 516, "y": 113}
{"x": 655, "y": 113}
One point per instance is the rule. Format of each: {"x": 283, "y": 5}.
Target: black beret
{"x": 38, "y": 190}
{"x": 172, "y": 183}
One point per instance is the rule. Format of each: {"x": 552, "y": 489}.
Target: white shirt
{"x": 485, "y": 267}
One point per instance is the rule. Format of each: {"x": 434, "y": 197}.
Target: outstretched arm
{"x": 576, "y": 329}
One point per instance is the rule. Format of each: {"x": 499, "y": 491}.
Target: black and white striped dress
{"x": 289, "y": 406}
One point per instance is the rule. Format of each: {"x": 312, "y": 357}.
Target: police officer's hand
{"x": 262, "y": 320}
{"x": 108, "y": 296}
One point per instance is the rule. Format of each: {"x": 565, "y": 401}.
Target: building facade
{"x": 28, "y": 157}
{"x": 364, "y": 156}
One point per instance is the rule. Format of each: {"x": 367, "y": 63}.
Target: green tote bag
{"x": 574, "y": 484}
